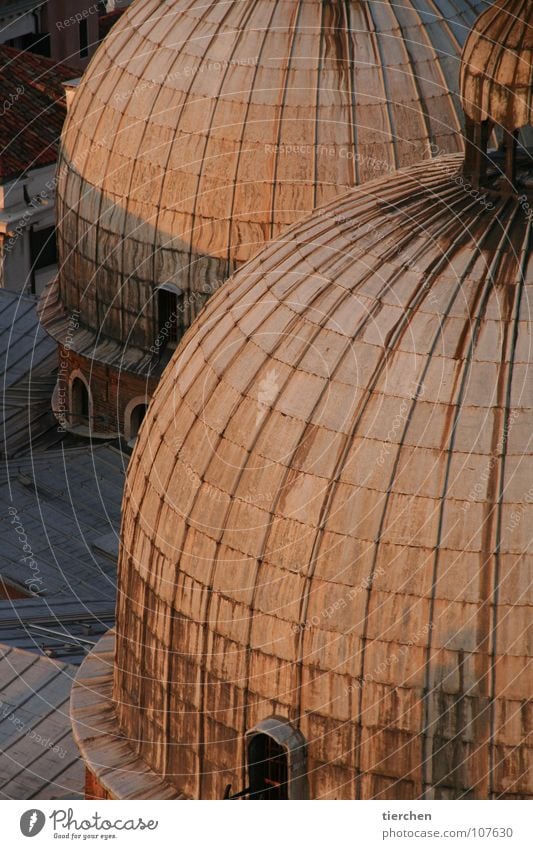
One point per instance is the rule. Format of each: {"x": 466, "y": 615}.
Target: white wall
{"x": 16, "y": 19}
{"x": 17, "y": 216}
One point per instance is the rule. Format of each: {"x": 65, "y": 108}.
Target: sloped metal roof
{"x": 38, "y": 756}
{"x": 24, "y": 345}
{"x": 61, "y": 503}
{"x": 28, "y": 363}
{"x": 65, "y": 629}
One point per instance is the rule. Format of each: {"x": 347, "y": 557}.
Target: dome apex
{"x": 309, "y": 496}
{"x": 202, "y": 129}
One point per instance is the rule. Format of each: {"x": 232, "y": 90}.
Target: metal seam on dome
{"x": 207, "y": 137}
{"x": 424, "y": 105}
{"x": 241, "y": 140}
{"x": 322, "y": 42}
{"x": 350, "y": 54}
{"x": 280, "y": 108}
{"x": 381, "y": 72}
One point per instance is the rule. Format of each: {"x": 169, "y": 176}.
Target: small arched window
{"x": 276, "y": 754}
{"x": 268, "y": 768}
{"x": 80, "y": 402}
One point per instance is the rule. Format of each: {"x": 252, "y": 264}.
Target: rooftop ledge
{"x": 106, "y": 752}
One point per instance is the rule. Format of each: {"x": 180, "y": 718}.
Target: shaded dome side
{"x": 497, "y": 66}
{"x": 320, "y": 520}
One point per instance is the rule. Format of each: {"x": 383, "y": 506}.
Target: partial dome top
{"x": 497, "y": 67}
{"x": 202, "y": 129}
{"x": 327, "y": 515}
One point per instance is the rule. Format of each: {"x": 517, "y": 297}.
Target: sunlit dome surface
{"x": 327, "y": 514}
{"x": 202, "y": 129}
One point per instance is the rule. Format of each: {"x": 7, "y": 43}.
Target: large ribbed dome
{"x": 497, "y": 69}
{"x": 202, "y": 129}
{"x": 328, "y": 512}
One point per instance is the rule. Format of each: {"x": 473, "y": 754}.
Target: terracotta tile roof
{"x": 32, "y": 110}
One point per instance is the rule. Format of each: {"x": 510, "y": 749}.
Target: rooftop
{"x": 28, "y": 363}
{"x": 65, "y": 504}
{"x": 39, "y": 757}
{"x": 33, "y": 110}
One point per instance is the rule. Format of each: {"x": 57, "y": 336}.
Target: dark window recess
{"x": 170, "y": 316}
{"x": 43, "y": 247}
{"x": 137, "y": 415}
{"x": 84, "y": 39}
{"x": 80, "y": 402}
{"x": 34, "y": 42}
{"x": 268, "y": 768}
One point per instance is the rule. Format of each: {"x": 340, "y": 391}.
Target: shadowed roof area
{"x": 67, "y": 503}
{"x": 39, "y": 757}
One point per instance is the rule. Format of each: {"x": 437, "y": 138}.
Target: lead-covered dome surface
{"x": 202, "y": 129}
{"x": 497, "y": 67}
{"x": 328, "y": 512}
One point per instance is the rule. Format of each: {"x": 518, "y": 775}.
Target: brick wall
{"x": 93, "y": 788}
{"x": 110, "y": 390}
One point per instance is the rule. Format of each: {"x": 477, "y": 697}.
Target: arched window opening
{"x": 268, "y": 767}
{"x": 276, "y": 762}
{"x": 169, "y": 316}
{"x": 137, "y": 415}
{"x": 80, "y": 402}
